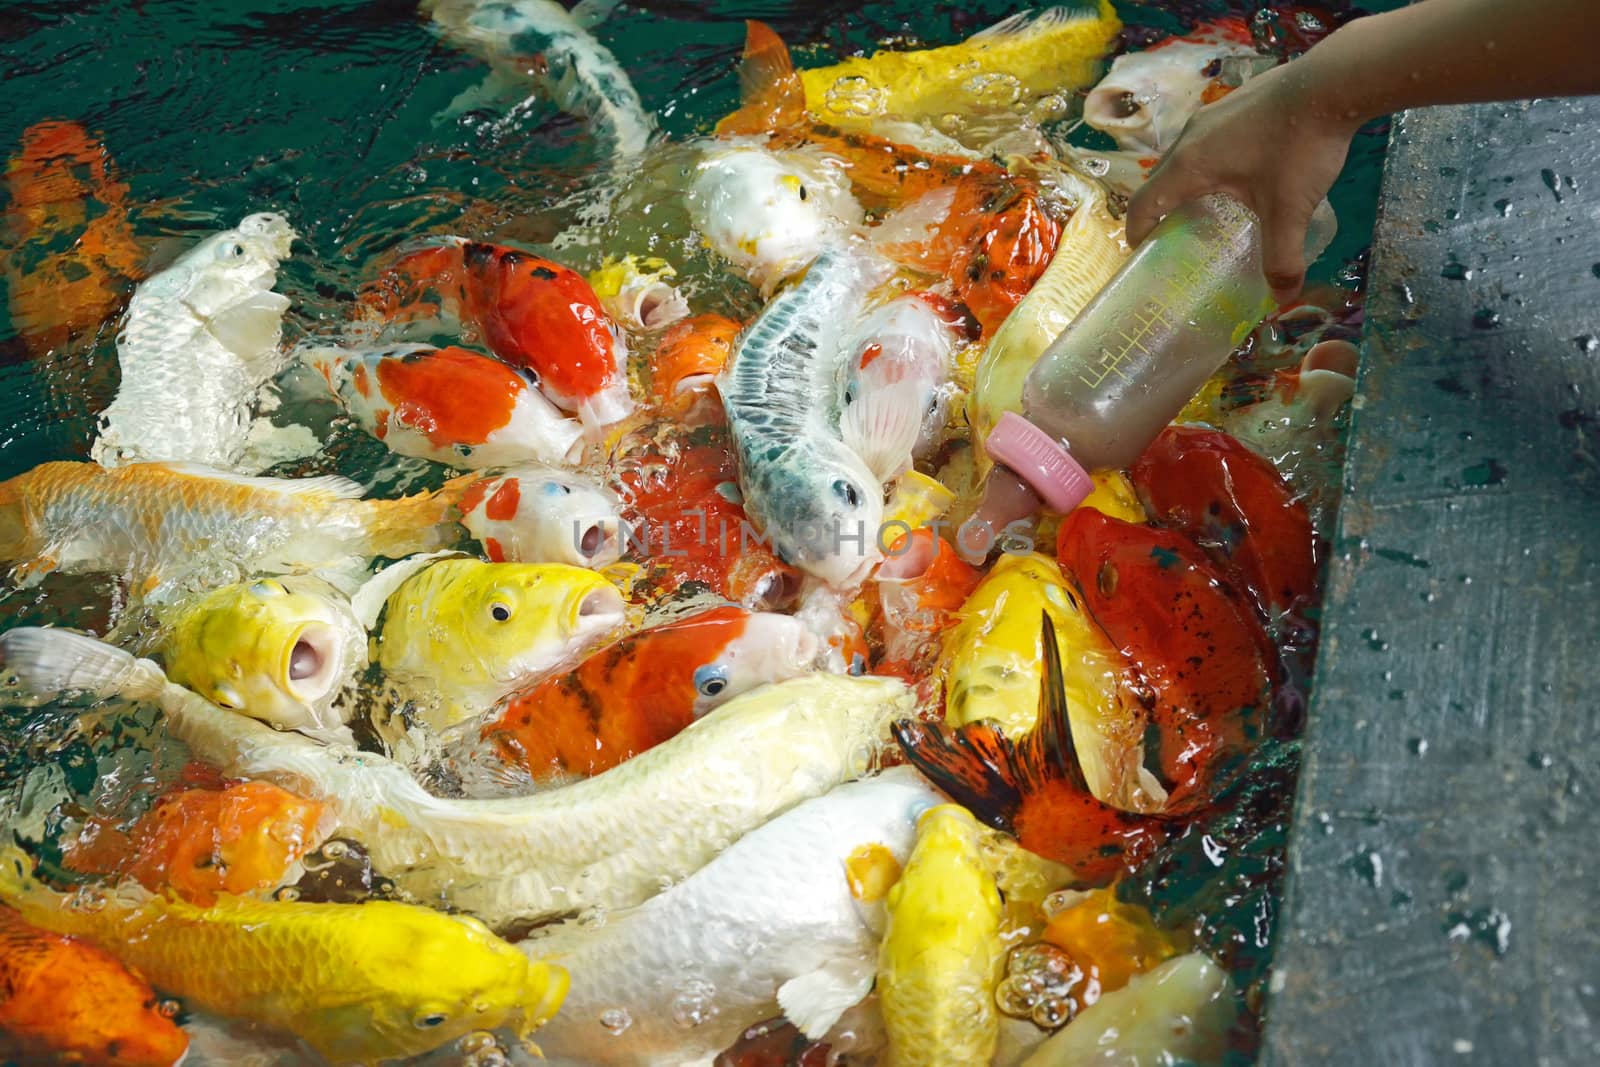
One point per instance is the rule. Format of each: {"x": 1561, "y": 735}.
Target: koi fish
{"x": 942, "y": 954}
{"x": 727, "y": 947}
{"x": 1019, "y": 58}
{"x": 1035, "y": 788}
{"x": 1232, "y": 502}
{"x": 522, "y": 859}
{"x": 199, "y": 342}
{"x": 203, "y": 842}
{"x": 896, "y": 376}
{"x": 1180, "y": 1012}
{"x": 448, "y": 405}
{"x": 358, "y": 984}
{"x": 769, "y": 213}
{"x": 1090, "y": 252}
{"x": 536, "y": 515}
{"x": 69, "y": 256}
{"x": 639, "y": 295}
{"x": 461, "y": 635}
{"x": 530, "y": 311}
{"x": 541, "y": 38}
{"x": 991, "y": 669}
{"x": 921, "y": 585}
{"x": 773, "y": 103}
{"x": 810, "y": 494}
{"x": 1195, "y": 642}
{"x": 1148, "y": 97}
{"x": 157, "y": 521}
{"x": 280, "y": 651}
{"x": 684, "y": 366}
{"x": 64, "y": 1001}
{"x": 683, "y": 485}
{"x": 645, "y": 688}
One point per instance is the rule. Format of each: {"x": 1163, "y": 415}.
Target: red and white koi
{"x": 537, "y": 515}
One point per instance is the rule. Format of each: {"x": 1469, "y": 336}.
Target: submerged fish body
{"x": 772, "y": 924}
{"x": 770, "y": 213}
{"x": 647, "y": 687}
{"x": 541, "y": 37}
{"x": 530, "y": 311}
{"x": 462, "y": 635}
{"x": 1024, "y": 56}
{"x": 695, "y": 530}
{"x": 69, "y": 255}
{"x": 532, "y": 514}
{"x": 449, "y": 405}
{"x": 898, "y": 370}
{"x": 199, "y": 341}
{"x": 358, "y": 983}
{"x": 198, "y": 843}
{"x": 158, "y": 522}
{"x": 1149, "y": 96}
{"x": 65, "y": 1001}
{"x": 605, "y": 842}
{"x": 813, "y": 497}
{"x": 279, "y": 650}
{"x": 942, "y": 953}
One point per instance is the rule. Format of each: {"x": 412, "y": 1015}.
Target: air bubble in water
{"x": 616, "y": 1021}
{"x": 695, "y": 1004}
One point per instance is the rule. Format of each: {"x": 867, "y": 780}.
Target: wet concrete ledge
{"x": 1442, "y": 897}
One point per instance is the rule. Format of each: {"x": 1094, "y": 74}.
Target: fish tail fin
{"x": 422, "y": 522}
{"x": 882, "y": 426}
{"x": 982, "y": 769}
{"x": 45, "y": 663}
{"x": 772, "y": 95}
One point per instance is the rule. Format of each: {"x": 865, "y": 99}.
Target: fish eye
{"x": 710, "y": 679}
{"x": 235, "y": 250}
{"x": 802, "y": 192}
{"x": 429, "y": 1021}
{"x": 268, "y": 587}
{"x": 847, "y": 492}
{"x": 500, "y": 611}
{"x": 224, "y": 700}
{"x": 850, "y": 395}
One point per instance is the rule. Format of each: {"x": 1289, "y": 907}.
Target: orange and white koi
{"x": 201, "y": 842}
{"x": 530, "y": 311}
{"x": 155, "y": 521}
{"x": 645, "y": 688}
{"x": 1148, "y": 97}
{"x": 538, "y": 515}
{"x": 69, "y": 256}
{"x": 63, "y": 1000}
{"x": 449, "y": 405}
{"x": 921, "y": 585}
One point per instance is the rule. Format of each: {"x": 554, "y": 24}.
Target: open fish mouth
{"x": 311, "y": 662}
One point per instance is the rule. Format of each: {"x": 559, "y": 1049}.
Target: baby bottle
{"x": 1135, "y": 356}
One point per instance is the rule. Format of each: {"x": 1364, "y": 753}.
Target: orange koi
{"x": 684, "y": 486}
{"x": 645, "y": 688}
{"x": 201, "y": 842}
{"x": 920, "y": 587}
{"x": 530, "y": 311}
{"x": 65, "y": 1001}
{"x": 70, "y": 258}
{"x": 690, "y": 356}
{"x": 774, "y": 102}
{"x": 1110, "y": 941}
{"x": 1232, "y": 502}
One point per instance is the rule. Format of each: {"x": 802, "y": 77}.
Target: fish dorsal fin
{"x": 1029, "y": 22}
{"x": 772, "y": 95}
{"x": 368, "y": 601}
{"x": 1049, "y": 752}
{"x": 333, "y": 485}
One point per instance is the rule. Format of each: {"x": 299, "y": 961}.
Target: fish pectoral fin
{"x": 815, "y": 1001}
{"x": 591, "y": 13}
{"x": 882, "y": 427}
{"x": 502, "y": 89}
{"x": 251, "y": 329}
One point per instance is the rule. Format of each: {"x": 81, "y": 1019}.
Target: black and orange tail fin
{"x": 772, "y": 96}
{"x": 982, "y": 769}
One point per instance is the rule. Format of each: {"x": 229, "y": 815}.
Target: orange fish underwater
{"x": 201, "y": 842}
{"x": 65, "y": 1001}
{"x": 683, "y": 483}
{"x": 530, "y": 311}
{"x": 688, "y": 359}
{"x": 920, "y": 586}
{"x": 69, "y": 258}
{"x": 645, "y": 688}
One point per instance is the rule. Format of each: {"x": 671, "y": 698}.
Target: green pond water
{"x": 326, "y": 113}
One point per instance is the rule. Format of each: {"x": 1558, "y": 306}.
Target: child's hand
{"x": 1266, "y": 145}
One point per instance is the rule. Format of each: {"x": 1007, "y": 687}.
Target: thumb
{"x": 1283, "y": 259}
{"x": 1173, "y": 184}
